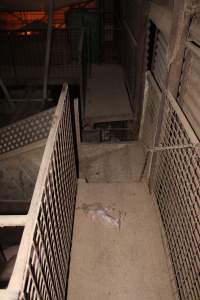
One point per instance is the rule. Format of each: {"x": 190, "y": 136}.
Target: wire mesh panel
{"x": 177, "y": 191}
{"x": 46, "y": 273}
{"x": 26, "y": 131}
{"x": 42, "y": 264}
{"x": 22, "y": 55}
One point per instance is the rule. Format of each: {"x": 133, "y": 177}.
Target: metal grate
{"x": 46, "y": 274}
{"x": 175, "y": 183}
{"x": 42, "y": 265}
{"x": 22, "y": 56}
{"x": 177, "y": 191}
{"x": 26, "y": 131}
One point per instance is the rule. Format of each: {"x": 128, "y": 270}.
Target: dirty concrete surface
{"x": 111, "y": 162}
{"x": 117, "y": 250}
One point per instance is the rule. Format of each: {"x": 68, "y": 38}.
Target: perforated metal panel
{"x": 177, "y": 191}
{"x": 26, "y": 131}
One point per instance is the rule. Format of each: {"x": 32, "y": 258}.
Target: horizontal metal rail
{"x": 12, "y": 221}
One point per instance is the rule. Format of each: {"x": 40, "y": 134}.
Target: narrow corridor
{"x": 117, "y": 250}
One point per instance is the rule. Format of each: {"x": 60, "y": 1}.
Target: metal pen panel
{"x": 46, "y": 274}
{"x": 42, "y": 265}
{"x": 177, "y": 191}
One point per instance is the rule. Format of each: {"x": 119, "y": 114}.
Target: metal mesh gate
{"x": 41, "y": 268}
{"x": 177, "y": 191}
{"x": 176, "y": 187}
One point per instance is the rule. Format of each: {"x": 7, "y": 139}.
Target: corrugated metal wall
{"x": 189, "y": 89}
{"x": 159, "y": 63}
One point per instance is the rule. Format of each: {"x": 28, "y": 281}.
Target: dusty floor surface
{"x": 107, "y": 98}
{"x": 121, "y": 256}
{"x": 117, "y": 250}
{"x": 111, "y": 162}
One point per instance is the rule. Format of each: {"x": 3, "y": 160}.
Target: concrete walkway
{"x": 117, "y": 250}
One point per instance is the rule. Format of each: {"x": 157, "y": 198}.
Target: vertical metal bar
{"x": 48, "y": 48}
{"x": 6, "y": 93}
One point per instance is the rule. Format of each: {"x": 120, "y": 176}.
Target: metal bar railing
{"x": 42, "y": 264}
{"x": 176, "y": 189}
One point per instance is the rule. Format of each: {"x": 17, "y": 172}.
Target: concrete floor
{"x": 111, "y": 162}
{"x": 117, "y": 250}
{"x": 107, "y": 98}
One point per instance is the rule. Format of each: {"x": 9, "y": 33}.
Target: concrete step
{"x": 111, "y": 162}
